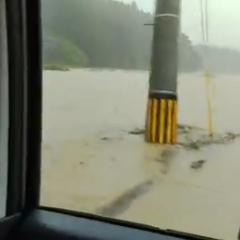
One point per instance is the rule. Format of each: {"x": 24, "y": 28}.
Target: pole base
{"x": 161, "y": 119}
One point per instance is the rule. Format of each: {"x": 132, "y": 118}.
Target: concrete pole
{"x": 161, "y": 119}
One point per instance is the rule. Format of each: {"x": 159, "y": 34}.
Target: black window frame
{"x": 25, "y": 104}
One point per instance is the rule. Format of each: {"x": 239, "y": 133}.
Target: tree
{"x": 110, "y": 33}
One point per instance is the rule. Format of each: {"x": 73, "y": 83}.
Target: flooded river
{"x": 91, "y": 162}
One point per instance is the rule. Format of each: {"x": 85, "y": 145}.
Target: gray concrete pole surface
{"x": 165, "y": 46}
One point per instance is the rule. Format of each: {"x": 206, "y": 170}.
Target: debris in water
{"x": 194, "y": 138}
{"x": 197, "y": 164}
{"x": 137, "y": 131}
{"x": 181, "y": 127}
{"x": 230, "y": 137}
{"x": 193, "y": 145}
{"x": 104, "y": 138}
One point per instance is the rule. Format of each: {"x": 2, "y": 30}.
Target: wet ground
{"x": 95, "y": 159}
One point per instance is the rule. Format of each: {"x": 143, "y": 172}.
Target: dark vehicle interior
{"x": 25, "y": 219}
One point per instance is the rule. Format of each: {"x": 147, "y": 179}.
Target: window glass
{"x": 3, "y": 109}
{"x": 113, "y": 105}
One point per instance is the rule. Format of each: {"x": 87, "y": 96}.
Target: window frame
{"x": 4, "y": 121}
{"x": 25, "y": 103}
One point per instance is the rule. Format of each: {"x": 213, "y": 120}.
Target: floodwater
{"x": 90, "y": 160}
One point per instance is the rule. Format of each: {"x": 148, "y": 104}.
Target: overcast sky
{"x": 224, "y": 20}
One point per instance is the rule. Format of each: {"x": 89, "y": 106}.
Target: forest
{"x": 219, "y": 59}
{"x": 110, "y": 34}
{"x": 103, "y": 34}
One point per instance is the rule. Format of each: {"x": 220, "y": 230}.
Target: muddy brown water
{"x": 89, "y": 157}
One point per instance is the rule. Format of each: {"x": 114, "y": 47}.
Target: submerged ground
{"x": 92, "y": 161}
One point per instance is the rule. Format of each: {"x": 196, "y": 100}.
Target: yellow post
{"x": 208, "y": 77}
{"x": 161, "y": 121}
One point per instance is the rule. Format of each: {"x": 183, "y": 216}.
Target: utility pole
{"x": 161, "y": 119}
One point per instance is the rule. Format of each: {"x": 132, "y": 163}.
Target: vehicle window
{"x": 127, "y": 135}
{"x": 3, "y": 109}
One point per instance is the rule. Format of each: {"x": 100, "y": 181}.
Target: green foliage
{"x": 63, "y": 52}
{"x": 55, "y": 67}
{"x": 111, "y": 34}
{"x": 71, "y": 54}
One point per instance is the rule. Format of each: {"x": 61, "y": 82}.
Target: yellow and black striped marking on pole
{"x": 161, "y": 120}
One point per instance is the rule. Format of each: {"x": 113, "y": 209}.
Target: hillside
{"x": 220, "y": 60}
{"x": 106, "y": 34}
